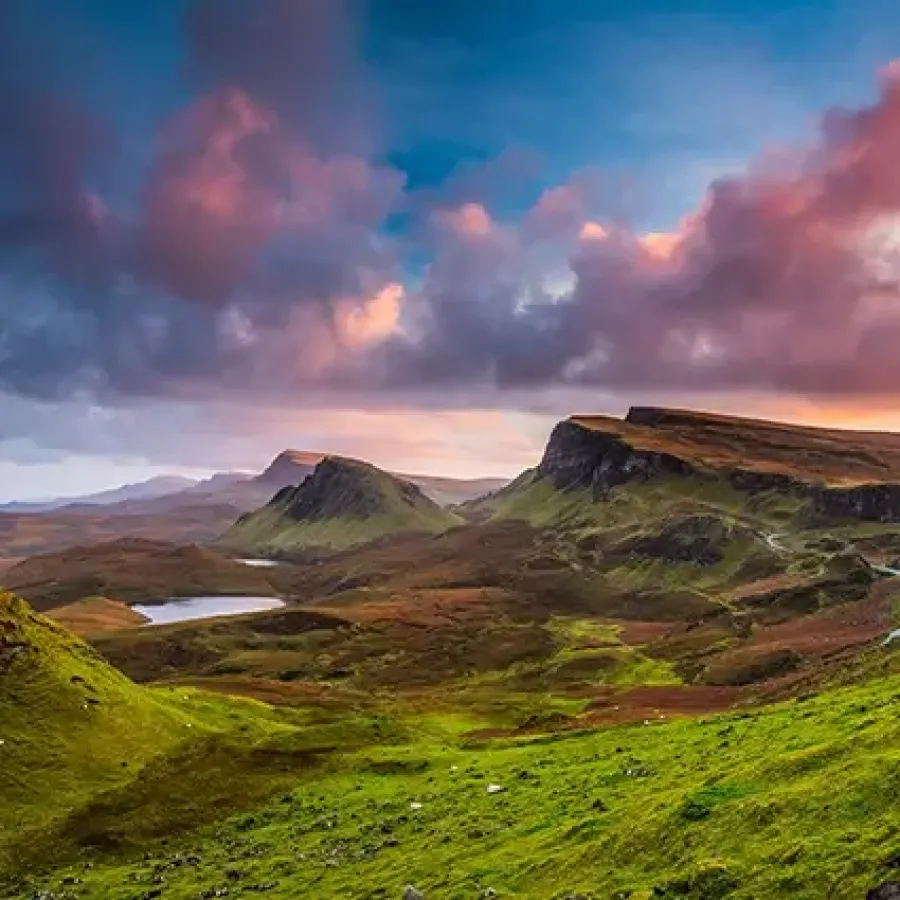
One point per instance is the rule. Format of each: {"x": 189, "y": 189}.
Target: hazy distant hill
{"x": 158, "y": 486}
{"x": 182, "y": 510}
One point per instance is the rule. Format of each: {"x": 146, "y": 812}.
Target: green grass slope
{"x": 68, "y": 721}
{"x": 343, "y": 503}
{"x": 796, "y": 800}
{"x": 91, "y": 761}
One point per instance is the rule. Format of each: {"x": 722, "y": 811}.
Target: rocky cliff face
{"x": 579, "y": 457}
{"x": 871, "y": 502}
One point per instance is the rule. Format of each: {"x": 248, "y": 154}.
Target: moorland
{"x": 658, "y": 664}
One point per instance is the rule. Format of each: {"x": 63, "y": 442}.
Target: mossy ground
{"x": 795, "y": 800}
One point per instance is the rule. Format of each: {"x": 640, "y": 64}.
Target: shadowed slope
{"x": 343, "y": 503}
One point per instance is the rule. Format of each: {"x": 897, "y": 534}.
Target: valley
{"x": 653, "y": 665}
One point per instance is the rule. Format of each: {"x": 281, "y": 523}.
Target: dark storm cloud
{"x": 50, "y": 148}
{"x": 252, "y": 207}
{"x": 294, "y": 57}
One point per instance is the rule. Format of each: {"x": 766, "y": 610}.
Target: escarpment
{"x": 602, "y": 453}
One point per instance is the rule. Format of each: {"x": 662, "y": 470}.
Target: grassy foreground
{"x": 797, "y": 800}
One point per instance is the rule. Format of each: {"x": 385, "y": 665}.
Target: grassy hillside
{"x": 664, "y": 684}
{"x": 93, "y": 762}
{"x": 68, "y": 721}
{"x": 795, "y": 800}
{"x": 343, "y": 503}
{"x": 132, "y": 570}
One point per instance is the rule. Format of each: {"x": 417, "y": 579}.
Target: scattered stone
{"x": 890, "y": 890}
{"x": 411, "y": 893}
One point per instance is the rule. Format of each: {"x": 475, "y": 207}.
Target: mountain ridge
{"x": 344, "y": 501}
{"x": 151, "y": 488}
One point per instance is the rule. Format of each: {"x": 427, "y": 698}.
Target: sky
{"x": 421, "y": 233}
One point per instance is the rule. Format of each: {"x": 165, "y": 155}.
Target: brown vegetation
{"x": 95, "y": 615}
{"x": 27, "y": 534}
{"x": 132, "y": 569}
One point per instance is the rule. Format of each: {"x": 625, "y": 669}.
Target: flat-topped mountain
{"x": 810, "y": 474}
{"x": 707, "y": 441}
{"x": 342, "y": 503}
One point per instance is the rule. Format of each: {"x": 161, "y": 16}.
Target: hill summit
{"x": 289, "y": 467}
{"x": 343, "y": 502}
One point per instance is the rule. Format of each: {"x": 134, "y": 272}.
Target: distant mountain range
{"x": 159, "y": 486}
{"x": 241, "y": 490}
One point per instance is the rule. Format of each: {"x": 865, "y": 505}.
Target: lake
{"x": 186, "y": 609}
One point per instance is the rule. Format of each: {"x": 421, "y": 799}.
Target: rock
{"x": 581, "y": 457}
{"x": 495, "y": 789}
{"x": 699, "y": 539}
{"x": 871, "y": 502}
{"x": 890, "y": 890}
{"x": 411, "y": 893}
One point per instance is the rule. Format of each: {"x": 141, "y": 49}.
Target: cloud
{"x": 50, "y": 149}
{"x": 256, "y": 239}
{"x": 786, "y": 279}
{"x": 260, "y": 259}
{"x": 294, "y": 56}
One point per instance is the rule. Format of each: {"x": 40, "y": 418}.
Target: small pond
{"x": 259, "y": 563}
{"x": 185, "y": 609}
